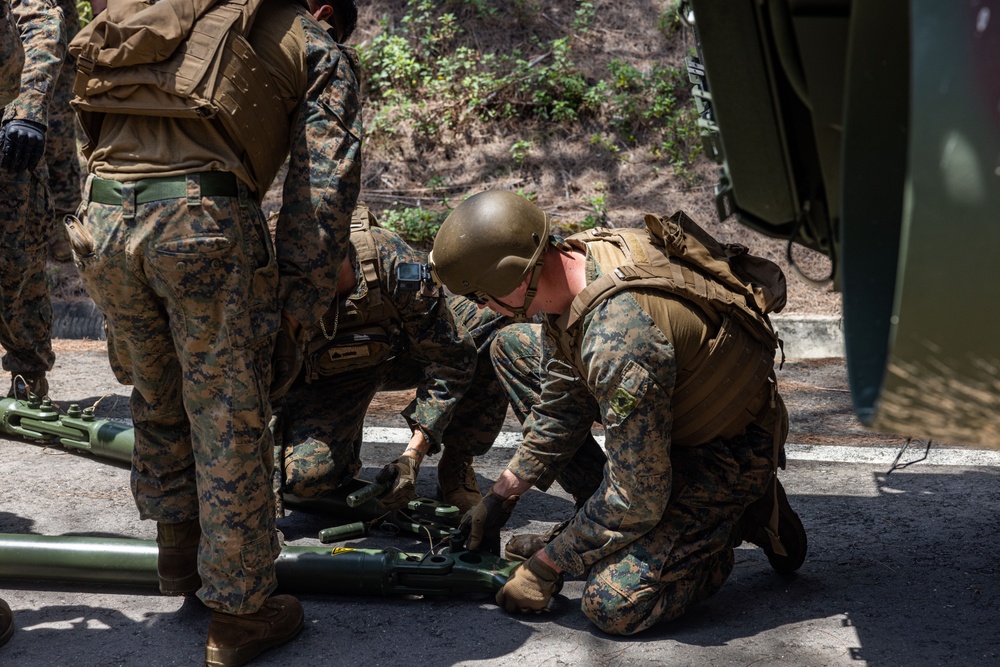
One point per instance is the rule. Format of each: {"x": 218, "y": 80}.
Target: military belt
{"x": 212, "y": 184}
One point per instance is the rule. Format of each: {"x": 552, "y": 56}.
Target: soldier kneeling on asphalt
{"x": 391, "y": 329}
{"x": 666, "y": 332}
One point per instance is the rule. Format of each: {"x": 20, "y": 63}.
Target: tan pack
{"x": 735, "y": 290}
{"x": 183, "y": 59}
{"x": 355, "y": 335}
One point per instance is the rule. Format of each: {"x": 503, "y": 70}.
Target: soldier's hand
{"x": 481, "y": 525}
{"x": 530, "y": 587}
{"x": 402, "y": 474}
{"x": 22, "y": 143}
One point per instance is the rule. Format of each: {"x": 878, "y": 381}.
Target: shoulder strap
{"x": 648, "y": 266}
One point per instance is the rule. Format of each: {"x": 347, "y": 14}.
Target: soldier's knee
{"x": 617, "y": 610}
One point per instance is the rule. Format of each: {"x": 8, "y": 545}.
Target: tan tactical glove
{"x": 481, "y": 525}
{"x": 402, "y": 474}
{"x": 530, "y": 587}
{"x": 286, "y": 360}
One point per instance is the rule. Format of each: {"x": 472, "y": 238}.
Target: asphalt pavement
{"x": 901, "y": 571}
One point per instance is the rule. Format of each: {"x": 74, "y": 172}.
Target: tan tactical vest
{"x": 730, "y": 386}
{"x": 355, "y": 334}
{"x": 182, "y": 59}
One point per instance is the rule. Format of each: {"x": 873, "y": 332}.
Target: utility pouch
{"x": 350, "y": 351}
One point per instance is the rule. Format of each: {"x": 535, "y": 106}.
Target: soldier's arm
{"x": 631, "y": 373}
{"x": 321, "y": 188}
{"x": 558, "y": 423}
{"x": 43, "y": 33}
{"x": 11, "y": 55}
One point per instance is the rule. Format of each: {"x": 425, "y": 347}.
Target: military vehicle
{"x": 870, "y": 131}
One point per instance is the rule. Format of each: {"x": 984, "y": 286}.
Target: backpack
{"x": 735, "y": 291}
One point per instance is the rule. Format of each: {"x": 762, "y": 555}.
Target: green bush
{"x": 419, "y": 72}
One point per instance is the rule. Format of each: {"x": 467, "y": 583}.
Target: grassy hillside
{"x": 584, "y": 107}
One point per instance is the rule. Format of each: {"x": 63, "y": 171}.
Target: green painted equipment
{"x": 870, "y": 131}
{"x": 322, "y": 570}
{"x": 39, "y": 420}
{"x": 346, "y": 570}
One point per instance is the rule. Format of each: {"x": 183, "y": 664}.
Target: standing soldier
{"x": 11, "y": 61}
{"x": 190, "y": 107}
{"x": 25, "y": 306}
{"x": 677, "y": 352}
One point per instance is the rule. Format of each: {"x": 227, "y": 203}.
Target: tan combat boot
{"x": 177, "y": 557}
{"x": 236, "y": 639}
{"x": 457, "y": 483}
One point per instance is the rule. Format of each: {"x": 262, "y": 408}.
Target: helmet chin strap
{"x": 521, "y": 312}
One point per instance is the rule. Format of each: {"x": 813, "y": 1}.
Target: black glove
{"x": 402, "y": 474}
{"x": 22, "y": 143}
{"x": 481, "y": 525}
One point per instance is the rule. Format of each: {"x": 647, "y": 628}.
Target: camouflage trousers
{"x": 189, "y": 289}
{"x": 321, "y": 422}
{"x": 25, "y": 306}
{"x": 517, "y": 354}
{"x": 688, "y": 555}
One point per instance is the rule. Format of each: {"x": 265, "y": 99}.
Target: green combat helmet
{"x": 487, "y": 246}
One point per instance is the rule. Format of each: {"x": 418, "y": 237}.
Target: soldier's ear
{"x": 323, "y": 13}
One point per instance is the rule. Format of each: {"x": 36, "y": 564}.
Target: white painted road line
{"x": 833, "y": 454}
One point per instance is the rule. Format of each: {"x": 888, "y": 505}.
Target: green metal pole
{"x": 323, "y": 570}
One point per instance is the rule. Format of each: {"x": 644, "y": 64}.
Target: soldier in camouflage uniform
{"x": 61, "y": 152}
{"x": 386, "y": 332}
{"x": 11, "y": 61}
{"x": 175, "y": 251}
{"x": 25, "y": 306}
{"x": 679, "y": 492}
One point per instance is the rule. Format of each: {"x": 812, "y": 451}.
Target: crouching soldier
{"x": 675, "y": 349}
{"x": 390, "y": 329}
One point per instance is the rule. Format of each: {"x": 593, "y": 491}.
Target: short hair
{"x": 347, "y": 17}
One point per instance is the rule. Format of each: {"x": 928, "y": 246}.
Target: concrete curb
{"x": 804, "y": 336}
{"x": 810, "y": 336}
{"x": 829, "y": 453}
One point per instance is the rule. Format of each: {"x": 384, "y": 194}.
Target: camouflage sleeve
{"x": 11, "y": 56}
{"x": 481, "y": 323}
{"x": 435, "y": 342}
{"x": 323, "y": 179}
{"x": 630, "y": 372}
{"x": 559, "y": 419}
{"x": 43, "y": 33}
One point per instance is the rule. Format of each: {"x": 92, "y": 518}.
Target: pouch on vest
{"x": 731, "y": 263}
{"x": 350, "y": 351}
{"x": 182, "y": 59}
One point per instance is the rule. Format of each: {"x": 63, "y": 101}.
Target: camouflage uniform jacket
{"x": 323, "y": 180}
{"x": 43, "y": 33}
{"x": 422, "y": 331}
{"x": 631, "y": 372}
{"x": 11, "y": 56}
